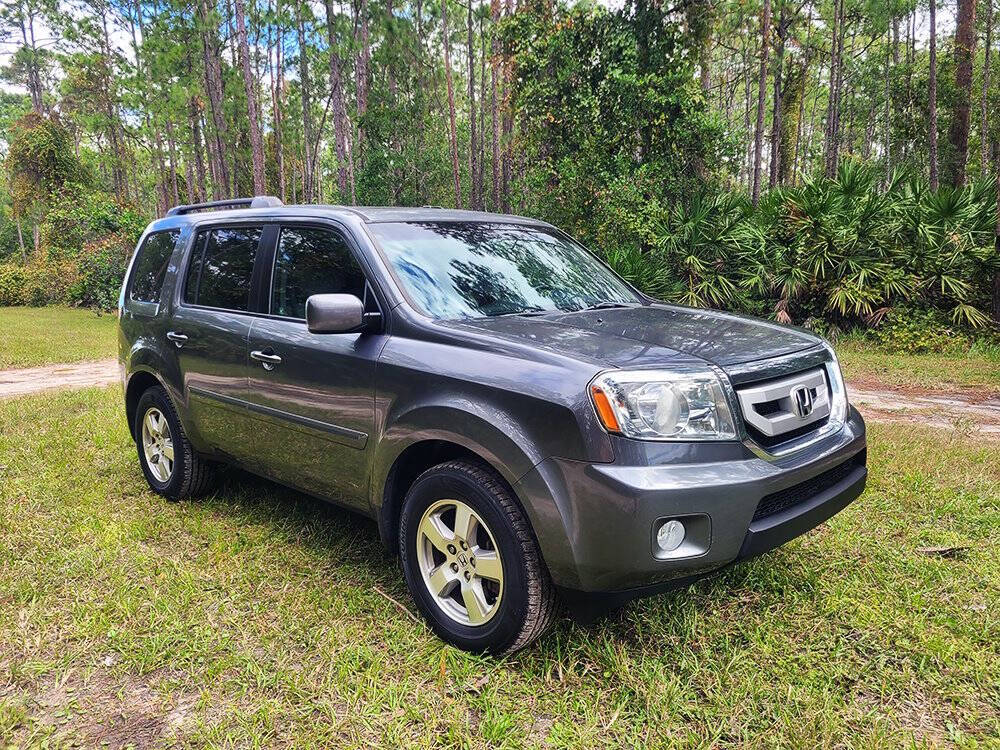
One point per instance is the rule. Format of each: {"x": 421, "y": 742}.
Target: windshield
{"x": 479, "y": 269}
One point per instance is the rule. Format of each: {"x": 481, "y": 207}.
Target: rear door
{"x": 314, "y": 401}
{"x": 210, "y": 329}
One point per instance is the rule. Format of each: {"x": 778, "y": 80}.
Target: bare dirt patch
{"x": 101, "y": 710}
{"x": 21, "y": 382}
{"x": 965, "y": 410}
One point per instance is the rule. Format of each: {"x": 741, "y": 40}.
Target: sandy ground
{"x": 972, "y": 411}
{"x": 77, "y": 375}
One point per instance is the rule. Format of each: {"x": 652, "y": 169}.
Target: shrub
{"x": 101, "y": 267}
{"x": 911, "y": 330}
{"x": 35, "y": 284}
{"x": 81, "y": 216}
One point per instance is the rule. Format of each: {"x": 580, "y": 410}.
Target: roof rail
{"x": 260, "y": 201}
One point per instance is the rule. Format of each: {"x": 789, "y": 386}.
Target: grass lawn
{"x": 974, "y": 369}
{"x": 48, "y": 335}
{"x": 33, "y": 336}
{"x": 258, "y": 617}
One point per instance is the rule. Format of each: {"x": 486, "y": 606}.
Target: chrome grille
{"x": 786, "y": 407}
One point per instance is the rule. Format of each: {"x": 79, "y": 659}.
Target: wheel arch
{"x": 139, "y": 382}
{"x": 428, "y": 436}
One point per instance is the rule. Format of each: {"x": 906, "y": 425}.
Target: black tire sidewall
{"x": 157, "y": 397}
{"x": 501, "y": 629}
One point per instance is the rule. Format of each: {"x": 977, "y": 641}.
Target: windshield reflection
{"x": 481, "y": 269}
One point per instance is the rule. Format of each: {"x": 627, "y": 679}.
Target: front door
{"x": 313, "y": 395}
{"x": 210, "y": 329}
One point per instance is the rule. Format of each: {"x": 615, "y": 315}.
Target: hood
{"x": 651, "y": 335}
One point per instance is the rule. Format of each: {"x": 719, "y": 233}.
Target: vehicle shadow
{"x": 336, "y": 534}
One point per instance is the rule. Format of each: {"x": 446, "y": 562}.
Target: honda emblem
{"x": 802, "y": 401}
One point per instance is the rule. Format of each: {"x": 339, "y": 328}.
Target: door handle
{"x": 266, "y": 359}
{"x": 178, "y": 338}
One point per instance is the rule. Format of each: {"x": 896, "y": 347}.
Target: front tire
{"x": 471, "y": 561}
{"x": 169, "y": 463}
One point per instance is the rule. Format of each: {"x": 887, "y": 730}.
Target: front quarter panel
{"x": 513, "y": 412}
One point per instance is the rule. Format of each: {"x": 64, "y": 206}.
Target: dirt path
{"x": 965, "y": 410}
{"x": 76, "y": 375}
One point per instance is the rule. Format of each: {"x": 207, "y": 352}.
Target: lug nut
{"x": 468, "y": 576}
{"x": 463, "y": 544}
{"x": 454, "y": 567}
{"x": 451, "y": 549}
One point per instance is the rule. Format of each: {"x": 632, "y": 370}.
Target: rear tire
{"x": 481, "y": 590}
{"x": 171, "y": 466}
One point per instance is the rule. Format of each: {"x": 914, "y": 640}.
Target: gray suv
{"x": 523, "y": 425}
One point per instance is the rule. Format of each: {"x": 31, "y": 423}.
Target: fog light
{"x": 670, "y": 536}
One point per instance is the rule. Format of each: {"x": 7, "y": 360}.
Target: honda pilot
{"x": 526, "y": 428}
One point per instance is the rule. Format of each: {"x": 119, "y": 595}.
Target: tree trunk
{"x": 473, "y": 147}
{"x": 451, "y": 105}
{"x": 481, "y": 161}
{"x": 419, "y": 102}
{"x": 776, "y": 115}
{"x": 984, "y": 136}
{"x": 958, "y": 133}
{"x": 758, "y": 137}
{"x": 20, "y": 240}
{"x": 341, "y": 123}
{"x": 275, "y": 77}
{"x": 495, "y": 73}
{"x": 802, "y": 99}
{"x": 832, "y": 146}
{"x": 172, "y": 156}
{"x": 889, "y": 50}
{"x": 308, "y": 170}
{"x": 253, "y": 107}
{"x": 279, "y": 112}
{"x": 194, "y": 119}
{"x": 363, "y": 65}
{"x": 508, "y": 121}
{"x": 34, "y": 78}
{"x": 792, "y": 94}
{"x": 213, "y": 86}
{"x": 932, "y": 98}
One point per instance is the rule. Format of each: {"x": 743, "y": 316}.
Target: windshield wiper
{"x": 603, "y": 306}
{"x": 528, "y": 313}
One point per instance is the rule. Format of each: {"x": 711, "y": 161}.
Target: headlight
{"x": 663, "y": 404}
{"x": 838, "y": 396}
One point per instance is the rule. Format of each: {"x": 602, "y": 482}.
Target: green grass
{"x": 977, "y": 369}
{"x": 48, "y": 335}
{"x": 33, "y": 336}
{"x": 254, "y": 618}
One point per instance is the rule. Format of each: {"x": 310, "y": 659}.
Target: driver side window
{"x": 312, "y": 261}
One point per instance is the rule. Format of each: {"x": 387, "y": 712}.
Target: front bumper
{"x": 595, "y": 522}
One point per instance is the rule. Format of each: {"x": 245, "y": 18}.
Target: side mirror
{"x": 334, "y": 313}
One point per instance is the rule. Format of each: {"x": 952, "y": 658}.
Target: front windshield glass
{"x": 479, "y": 269}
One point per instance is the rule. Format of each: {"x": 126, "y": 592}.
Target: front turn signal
{"x": 604, "y": 411}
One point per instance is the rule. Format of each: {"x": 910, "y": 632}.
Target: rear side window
{"x": 221, "y": 268}
{"x": 150, "y": 266}
{"x": 312, "y": 261}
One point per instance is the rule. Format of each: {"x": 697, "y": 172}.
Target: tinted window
{"x": 475, "y": 269}
{"x": 312, "y": 261}
{"x": 219, "y": 276}
{"x": 151, "y": 266}
{"x": 194, "y": 269}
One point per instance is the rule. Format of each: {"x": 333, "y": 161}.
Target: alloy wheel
{"x": 158, "y": 445}
{"x": 459, "y": 562}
